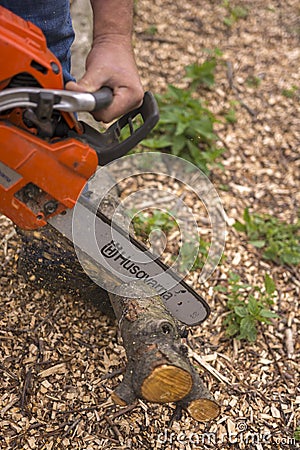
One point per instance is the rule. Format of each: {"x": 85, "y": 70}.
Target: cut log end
{"x": 203, "y": 409}
{"x": 167, "y": 384}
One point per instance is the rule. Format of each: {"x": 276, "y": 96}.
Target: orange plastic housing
{"x": 57, "y": 169}
{"x": 23, "y": 49}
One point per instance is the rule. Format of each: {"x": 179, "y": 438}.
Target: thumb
{"x": 81, "y": 86}
{"x": 73, "y": 86}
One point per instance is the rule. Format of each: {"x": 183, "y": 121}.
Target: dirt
{"x": 60, "y": 359}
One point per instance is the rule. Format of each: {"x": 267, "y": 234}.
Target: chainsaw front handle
{"x": 60, "y": 100}
{"x": 110, "y": 145}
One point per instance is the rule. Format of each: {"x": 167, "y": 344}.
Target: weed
{"x": 290, "y": 93}
{"x": 151, "y": 30}
{"x": 253, "y": 81}
{"x": 230, "y": 116}
{"x": 279, "y": 240}
{"x": 188, "y": 259}
{"x": 248, "y": 306}
{"x": 185, "y": 128}
{"x": 235, "y": 13}
{"x": 203, "y": 74}
{"x": 297, "y": 434}
{"x": 144, "y": 222}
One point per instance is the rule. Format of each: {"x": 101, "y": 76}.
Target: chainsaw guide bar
{"x": 122, "y": 259}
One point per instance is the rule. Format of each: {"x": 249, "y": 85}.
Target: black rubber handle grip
{"x": 103, "y": 98}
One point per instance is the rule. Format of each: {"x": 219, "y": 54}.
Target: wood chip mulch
{"x": 60, "y": 359}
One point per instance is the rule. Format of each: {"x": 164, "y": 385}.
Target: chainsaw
{"x": 47, "y": 157}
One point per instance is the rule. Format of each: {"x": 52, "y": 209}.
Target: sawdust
{"x": 59, "y": 358}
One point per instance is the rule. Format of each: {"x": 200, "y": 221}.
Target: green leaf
{"x": 268, "y": 314}
{"x": 241, "y": 311}
{"x": 230, "y": 116}
{"x": 258, "y": 243}
{"x": 291, "y": 258}
{"x": 270, "y": 285}
{"x": 248, "y": 329}
{"x": 246, "y": 216}
{"x": 297, "y": 434}
{"x": 178, "y": 144}
{"x": 202, "y": 74}
{"x": 220, "y": 288}
{"x": 234, "y": 278}
{"x": 253, "y": 306}
{"x": 181, "y": 127}
{"x": 239, "y": 12}
{"x": 271, "y": 254}
{"x": 194, "y": 149}
{"x": 232, "y": 329}
{"x": 280, "y": 240}
{"x": 157, "y": 143}
{"x": 183, "y": 117}
{"x": 239, "y": 226}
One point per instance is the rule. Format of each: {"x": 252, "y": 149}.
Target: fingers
{"x": 124, "y": 100}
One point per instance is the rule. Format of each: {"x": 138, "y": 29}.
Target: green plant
{"x": 188, "y": 261}
{"x": 146, "y": 221}
{"x": 279, "y": 240}
{"x": 248, "y": 306}
{"x": 230, "y": 116}
{"x": 297, "y": 434}
{"x": 290, "y": 93}
{"x": 185, "y": 128}
{"x": 151, "y": 30}
{"x": 235, "y": 13}
{"x": 203, "y": 74}
{"x": 253, "y": 81}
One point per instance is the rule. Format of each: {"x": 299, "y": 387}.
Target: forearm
{"x": 111, "y": 60}
{"x": 112, "y": 18}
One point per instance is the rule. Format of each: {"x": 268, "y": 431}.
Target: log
{"x": 158, "y": 369}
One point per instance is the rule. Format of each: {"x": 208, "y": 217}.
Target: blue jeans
{"x": 53, "y": 17}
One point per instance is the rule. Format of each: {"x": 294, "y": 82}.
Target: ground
{"x": 60, "y": 358}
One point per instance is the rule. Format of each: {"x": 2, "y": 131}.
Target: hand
{"x": 111, "y": 63}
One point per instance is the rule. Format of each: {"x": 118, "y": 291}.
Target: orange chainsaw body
{"x": 39, "y": 177}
